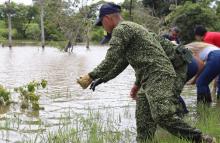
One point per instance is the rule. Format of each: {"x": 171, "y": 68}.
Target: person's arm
{"x": 201, "y": 66}
{"x": 166, "y": 36}
{"x": 118, "y": 68}
{"x": 178, "y": 40}
{"x": 115, "y": 54}
{"x": 214, "y": 87}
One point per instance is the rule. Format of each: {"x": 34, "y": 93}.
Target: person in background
{"x": 210, "y": 55}
{"x": 201, "y": 34}
{"x": 173, "y": 35}
{"x": 106, "y": 39}
{"x": 69, "y": 47}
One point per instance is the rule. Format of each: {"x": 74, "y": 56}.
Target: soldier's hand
{"x": 84, "y": 81}
{"x": 133, "y": 92}
{"x": 96, "y": 83}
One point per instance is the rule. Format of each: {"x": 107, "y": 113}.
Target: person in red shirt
{"x": 201, "y": 34}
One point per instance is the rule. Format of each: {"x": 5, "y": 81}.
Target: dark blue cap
{"x": 106, "y": 9}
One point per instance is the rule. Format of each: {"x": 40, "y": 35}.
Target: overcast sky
{"x": 28, "y": 2}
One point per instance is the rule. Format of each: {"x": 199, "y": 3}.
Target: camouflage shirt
{"x": 133, "y": 44}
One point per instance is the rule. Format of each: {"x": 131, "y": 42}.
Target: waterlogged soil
{"x": 63, "y": 98}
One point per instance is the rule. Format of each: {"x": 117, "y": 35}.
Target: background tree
{"x": 141, "y": 15}
{"x": 162, "y": 7}
{"x": 23, "y": 16}
{"x": 9, "y": 12}
{"x": 41, "y": 3}
{"x": 33, "y": 31}
{"x": 187, "y": 16}
{"x": 72, "y": 20}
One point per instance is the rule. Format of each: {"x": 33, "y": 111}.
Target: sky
{"x": 29, "y": 2}
{"x": 26, "y": 2}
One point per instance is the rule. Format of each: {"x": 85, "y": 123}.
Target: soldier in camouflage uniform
{"x": 180, "y": 58}
{"x": 156, "y": 103}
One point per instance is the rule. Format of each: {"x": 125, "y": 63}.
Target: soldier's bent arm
{"x": 118, "y": 68}
{"x": 120, "y": 38}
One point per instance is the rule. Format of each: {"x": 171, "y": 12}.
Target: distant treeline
{"x": 72, "y": 21}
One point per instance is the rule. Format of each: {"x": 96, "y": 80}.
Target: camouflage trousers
{"x": 180, "y": 80}
{"x": 157, "y": 105}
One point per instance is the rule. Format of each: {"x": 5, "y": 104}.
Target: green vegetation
{"x": 95, "y": 129}
{"x": 162, "y": 8}
{"x": 141, "y": 15}
{"x": 187, "y": 16}
{"x": 33, "y": 31}
{"x": 29, "y": 95}
{"x": 4, "y": 96}
{"x": 66, "y": 21}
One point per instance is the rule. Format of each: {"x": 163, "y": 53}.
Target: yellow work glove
{"x": 84, "y": 81}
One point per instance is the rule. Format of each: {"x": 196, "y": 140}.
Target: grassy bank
{"x": 57, "y": 44}
{"x": 93, "y": 128}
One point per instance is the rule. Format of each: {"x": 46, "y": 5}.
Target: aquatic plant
{"x": 4, "y": 96}
{"x": 28, "y": 94}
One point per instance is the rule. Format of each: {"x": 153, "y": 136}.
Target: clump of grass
{"x": 29, "y": 96}
{"x": 99, "y": 128}
{"x": 206, "y": 118}
{"x": 94, "y": 129}
{"x": 4, "y": 96}
{"x": 209, "y": 120}
{"x": 79, "y": 129}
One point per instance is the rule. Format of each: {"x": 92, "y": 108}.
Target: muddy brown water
{"x": 20, "y": 65}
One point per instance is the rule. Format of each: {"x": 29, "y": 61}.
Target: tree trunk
{"x": 153, "y": 9}
{"x": 130, "y": 11}
{"x": 87, "y": 37}
{"x": 9, "y": 27}
{"x": 42, "y": 24}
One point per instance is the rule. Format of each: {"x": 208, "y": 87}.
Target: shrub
{"x": 187, "y": 16}
{"x": 4, "y": 95}
{"x": 33, "y": 31}
{"x": 97, "y": 34}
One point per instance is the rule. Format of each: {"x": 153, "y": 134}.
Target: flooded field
{"x": 64, "y": 100}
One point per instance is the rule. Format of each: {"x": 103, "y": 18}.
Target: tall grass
{"x": 93, "y": 128}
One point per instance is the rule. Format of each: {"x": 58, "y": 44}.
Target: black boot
{"x": 200, "y": 98}
{"x": 208, "y": 98}
{"x": 204, "y": 98}
{"x": 218, "y": 96}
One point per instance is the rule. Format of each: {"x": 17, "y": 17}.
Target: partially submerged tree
{"x": 41, "y": 3}
{"x": 73, "y": 19}
{"x": 9, "y": 12}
